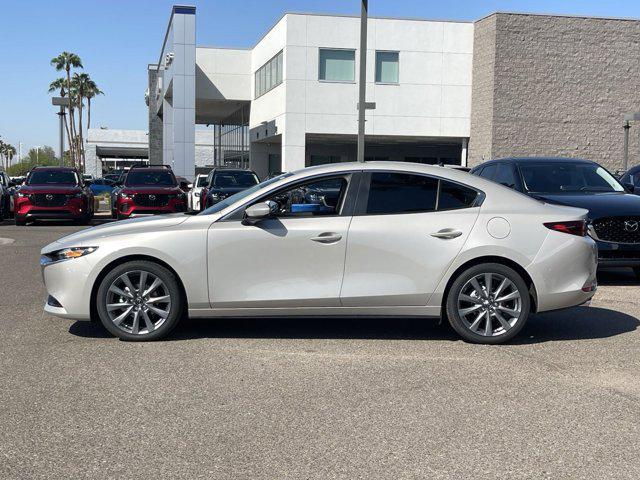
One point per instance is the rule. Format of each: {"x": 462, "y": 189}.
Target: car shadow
{"x": 617, "y": 277}
{"x": 68, "y": 223}
{"x": 580, "y": 323}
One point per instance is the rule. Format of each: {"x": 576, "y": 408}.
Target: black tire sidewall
{"x": 452, "y": 311}
{"x": 169, "y": 279}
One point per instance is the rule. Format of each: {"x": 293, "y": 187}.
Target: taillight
{"x": 578, "y": 227}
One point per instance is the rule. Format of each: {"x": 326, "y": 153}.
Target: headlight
{"x": 66, "y": 254}
{"x": 22, "y": 195}
{"x": 75, "y": 195}
{"x": 123, "y": 195}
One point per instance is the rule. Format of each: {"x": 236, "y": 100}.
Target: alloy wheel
{"x": 489, "y": 304}
{"x": 138, "y": 302}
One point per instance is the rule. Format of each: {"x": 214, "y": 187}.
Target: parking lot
{"x": 339, "y": 398}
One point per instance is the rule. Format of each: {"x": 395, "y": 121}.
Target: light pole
{"x": 61, "y": 102}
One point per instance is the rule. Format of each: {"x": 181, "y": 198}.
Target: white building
{"x": 290, "y": 101}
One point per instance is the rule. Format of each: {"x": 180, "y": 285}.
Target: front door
{"x": 295, "y": 259}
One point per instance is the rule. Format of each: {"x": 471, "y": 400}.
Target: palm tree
{"x": 79, "y": 87}
{"x": 60, "y": 84}
{"x": 92, "y": 90}
{"x": 66, "y": 61}
{"x": 7, "y": 151}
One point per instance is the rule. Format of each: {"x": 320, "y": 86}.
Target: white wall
{"x": 228, "y": 71}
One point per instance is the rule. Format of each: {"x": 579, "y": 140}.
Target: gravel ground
{"x": 278, "y": 399}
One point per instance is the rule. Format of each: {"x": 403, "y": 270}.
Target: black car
{"x": 631, "y": 179}
{"x": 223, "y": 182}
{"x": 6, "y": 192}
{"x": 614, "y": 213}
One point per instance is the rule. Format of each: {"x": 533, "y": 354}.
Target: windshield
{"x": 202, "y": 181}
{"x": 234, "y": 180}
{"x": 570, "y": 177}
{"x": 52, "y": 177}
{"x": 240, "y": 195}
{"x": 150, "y": 178}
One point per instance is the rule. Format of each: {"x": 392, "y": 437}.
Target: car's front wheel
{"x": 488, "y": 303}
{"x": 139, "y": 301}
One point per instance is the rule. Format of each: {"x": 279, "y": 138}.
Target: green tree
{"x": 43, "y": 156}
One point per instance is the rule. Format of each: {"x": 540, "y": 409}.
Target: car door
{"x": 406, "y": 231}
{"x": 294, "y": 259}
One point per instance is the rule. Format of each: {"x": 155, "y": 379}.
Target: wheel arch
{"x": 533, "y": 294}
{"x": 129, "y": 258}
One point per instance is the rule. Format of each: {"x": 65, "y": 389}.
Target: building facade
{"x": 444, "y": 92}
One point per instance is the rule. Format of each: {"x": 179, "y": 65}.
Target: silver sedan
{"x": 373, "y": 239}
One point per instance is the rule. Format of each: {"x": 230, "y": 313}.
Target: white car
{"x": 372, "y": 239}
{"x": 195, "y": 192}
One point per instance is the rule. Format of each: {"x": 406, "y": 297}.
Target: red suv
{"x": 53, "y": 193}
{"x": 149, "y": 190}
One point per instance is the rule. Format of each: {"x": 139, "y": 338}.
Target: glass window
{"x": 52, "y": 177}
{"x": 562, "y": 177}
{"x": 387, "y": 67}
{"x": 506, "y": 175}
{"x": 269, "y": 75}
{"x": 234, "y": 180}
{"x": 155, "y": 178}
{"x": 401, "y": 193}
{"x": 489, "y": 171}
{"x": 454, "y": 196}
{"x": 337, "y": 65}
{"x": 323, "y": 159}
{"x": 320, "y": 197}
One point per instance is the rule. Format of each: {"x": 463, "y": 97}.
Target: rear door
{"x": 406, "y": 231}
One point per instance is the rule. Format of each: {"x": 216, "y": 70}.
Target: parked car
{"x": 148, "y": 190}
{"x": 614, "y": 213}
{"x": 6, "y": 196}
{"x": 101, "y": 186}
{"x": 631, "y": 179}
{"x": 54, "y": 193}
{"x": 194, "y": 193}
{"x": 223, "y": 182}
{"x": 399, "y": 239}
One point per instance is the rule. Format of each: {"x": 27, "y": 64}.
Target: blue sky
{"x": 116, "y": 39}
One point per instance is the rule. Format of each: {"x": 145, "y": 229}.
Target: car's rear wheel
{"x": 488, "y": 303}
{"x": 139, "y": 301}
{"x": 21, "y": 222}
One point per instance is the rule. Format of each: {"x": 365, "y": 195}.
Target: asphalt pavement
{"x": 323, "y": 398}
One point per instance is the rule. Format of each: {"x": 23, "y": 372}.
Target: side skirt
{"x": 317, "y": 312}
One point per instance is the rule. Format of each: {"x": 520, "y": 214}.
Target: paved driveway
{"x": 278, "y": 399}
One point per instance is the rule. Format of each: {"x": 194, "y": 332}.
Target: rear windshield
{"x": 150, "y": 178}
{"x": 235, "y": 180}
{"x": 569, "y": 177}
{"x": 52, "y": 177}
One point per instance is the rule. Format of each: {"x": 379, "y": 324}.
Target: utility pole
{"x": 62, "y": 102}
{"x": 362, "y": 81}
{"x": 625, "y": 157}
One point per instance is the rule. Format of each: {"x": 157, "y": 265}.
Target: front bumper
{"x": 129, "y": 208}
{"x": 618, "y": 254}
{"x": 73, "y": 209}
{"x": 68, "y": 282}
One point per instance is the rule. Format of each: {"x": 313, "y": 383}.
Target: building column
{"x": 463, "y": 155}
{"x": 93, "y": 165}
{"x": 293, "y": 142}
{"x": 155, "y": 122}
{"x": 167, "y": 133}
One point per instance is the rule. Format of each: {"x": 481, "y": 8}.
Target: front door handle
{"x": 447, "y": 233}
{"x": 327, "y": 237}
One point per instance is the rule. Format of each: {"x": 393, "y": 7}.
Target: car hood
{"x": 607, "y": 204}
{"x": 63, "y": 189}
{"x": 227, "y": 191}
{"x": 135, "y": 225}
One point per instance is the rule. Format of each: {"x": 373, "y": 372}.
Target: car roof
{"x": 538, "y": 159}
{"x": 52, "y": 167}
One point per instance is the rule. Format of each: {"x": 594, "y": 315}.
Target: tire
{"x": 124, "y": 327}
{"x": 21, "y": 222}
{"x": 467, "y": 310}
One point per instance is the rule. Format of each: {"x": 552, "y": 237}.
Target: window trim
{"x": 349, "y": 200}
{"x": 365, "y": 183}
{"x": 375, "y": 67}
{"x": 323, "y": 80}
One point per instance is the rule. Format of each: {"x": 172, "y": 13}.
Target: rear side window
{"x": 489, "y": 171}
{"x": 454, "y": 196}
{"x": 505, "y": 176}
{"x": 401, "y": 193}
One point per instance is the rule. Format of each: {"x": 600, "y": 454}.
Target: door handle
{"x": 327, "y": 237}
{"x": 447, "y": 233}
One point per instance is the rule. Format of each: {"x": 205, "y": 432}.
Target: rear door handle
{"x": 447, "y": 233}
{"x": 327, "y": 237}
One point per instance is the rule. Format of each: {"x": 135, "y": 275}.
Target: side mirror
{"x": 260, "y": 211}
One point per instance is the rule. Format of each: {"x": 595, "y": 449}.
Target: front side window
{"x": 234, "y": 180}
{"x": 337, "y": 65}
{"x": 505, "y": 175}
{"x": 387, "y": 67}
{"x": 567, "y": 177}
{"x": 52, "y": 177}
{"x": 401, "y": 193}
{"x": 150, "y": 178}
{"x": 316, "y": 198}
